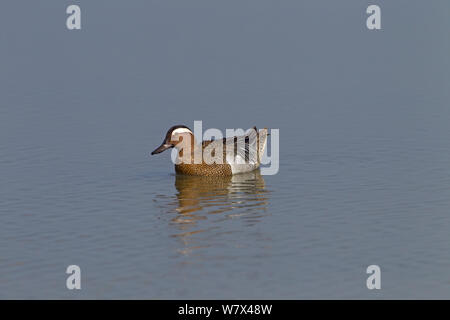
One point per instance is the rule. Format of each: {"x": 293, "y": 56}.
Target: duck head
{"x": 175, "y": 137}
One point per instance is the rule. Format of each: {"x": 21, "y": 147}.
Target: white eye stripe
{"x": 181, "y": 130}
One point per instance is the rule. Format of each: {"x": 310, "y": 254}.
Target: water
{"x": 364, "y": 150}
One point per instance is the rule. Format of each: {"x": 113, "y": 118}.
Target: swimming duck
{"x": 223, "y": 157}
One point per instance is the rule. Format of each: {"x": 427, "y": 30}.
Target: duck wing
{"x": 245, "y": 149}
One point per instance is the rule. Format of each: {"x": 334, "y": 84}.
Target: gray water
{"x": 364, "y": 149}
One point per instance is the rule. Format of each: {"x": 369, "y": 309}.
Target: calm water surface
{"x": 364, "y": 151}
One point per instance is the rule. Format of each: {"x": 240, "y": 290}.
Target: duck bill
{"x": 162, "y": 148}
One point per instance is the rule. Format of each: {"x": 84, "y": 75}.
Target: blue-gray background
{"x": 364, "y": 149}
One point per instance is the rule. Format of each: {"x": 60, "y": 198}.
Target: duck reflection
{"x": 217, "y": 199}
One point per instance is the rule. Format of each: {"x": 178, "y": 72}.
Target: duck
{"x": 221, "y": 157}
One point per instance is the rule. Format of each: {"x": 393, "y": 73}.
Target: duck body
{"x": 223, "y": 157}
{"x": 204, "y": 169}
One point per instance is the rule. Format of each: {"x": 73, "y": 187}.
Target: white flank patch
{"x": 238, "y": 164}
